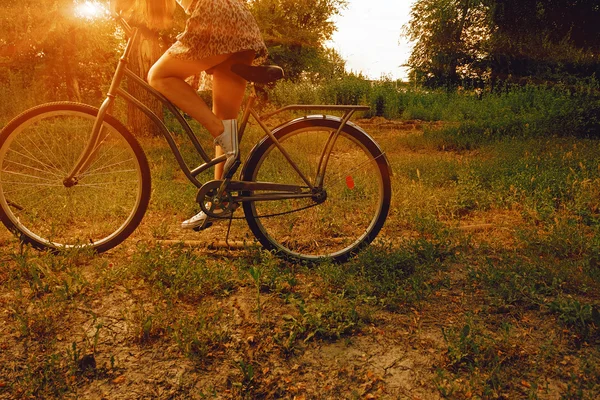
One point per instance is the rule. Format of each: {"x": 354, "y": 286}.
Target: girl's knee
{"x": 153, "y": 77}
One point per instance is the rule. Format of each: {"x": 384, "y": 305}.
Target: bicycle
{"x": 72, "y": 175}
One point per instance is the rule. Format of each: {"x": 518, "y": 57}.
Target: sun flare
{"x": 89, "y": 10}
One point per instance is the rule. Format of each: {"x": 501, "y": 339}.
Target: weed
{"x": 161, "y": 230}
{"x": 330, "y": 319}
{"x": 247, "y": 371}
{"x": 255, "y": 273}
{"x": 44, "y": 376}
{"x": 399, "y": 276}
{"x": 177, "y": 272}
{"x": 471, "y": 349}
{"x": 148, "y": 326}
{"x": 202, "y": 336}
{"x": 37, "y": 320}
{"x": 502, "y": 152}
{"x": 80, "y": 363}
{"x": 582, "y": 318}
{"x": 516, "y": 282}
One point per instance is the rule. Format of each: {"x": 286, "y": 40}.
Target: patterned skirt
{"x": 219, "y": 27}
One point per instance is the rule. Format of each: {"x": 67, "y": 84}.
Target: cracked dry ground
{"x": 128, "y": 336}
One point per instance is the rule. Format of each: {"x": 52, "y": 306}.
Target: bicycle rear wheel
{"x": 357, "y": 186}
{"x": 39, "y": 148}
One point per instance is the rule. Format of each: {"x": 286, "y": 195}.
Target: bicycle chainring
{"x": 215, "y": 206}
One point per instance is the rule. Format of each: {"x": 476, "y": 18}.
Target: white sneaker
{"x": 200, "y": 221}
{"x": 228, "y": 141}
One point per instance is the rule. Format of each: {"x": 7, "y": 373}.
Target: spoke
{"x": 35, "y": 177}
{"x": 41, "y": 204}
{"x": 106, "y": 152}
{"x": 121, "y": 171}
{"x": 99, "y": 204}
{"x": 107, "y": 184}
{"x": 15, "y": 189}
{"x": 35, "y": 157}
{"x": 26, "y": 166}
{"x": 44, "y": 153}
{"x": 49, "y": 167}
{"x": 341, "y": 177}
{"x": 95, "y": 171}
{"x": 32, "y": 156}
{"x": 29, "y": 192}
{"x": 61, "y": 154}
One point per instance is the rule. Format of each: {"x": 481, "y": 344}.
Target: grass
{"x": 483, "y": 284}
{"x": 472, "y": 117}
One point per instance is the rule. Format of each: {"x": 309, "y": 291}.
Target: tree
{"x": 295, "y": 32}
{"x": 449, "y": 38}
{"x": 72, "y": 56}
{"x": 545, "y": 38}
{"x": 503, "y": 40}
{"x": 143, "y": 56}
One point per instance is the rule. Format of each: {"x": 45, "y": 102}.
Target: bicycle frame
{"x": 115, "y": 90}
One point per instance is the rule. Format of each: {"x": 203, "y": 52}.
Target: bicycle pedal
{"x": 202, "y": 227}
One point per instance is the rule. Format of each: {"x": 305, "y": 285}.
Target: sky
{"x": 369, "y": 37}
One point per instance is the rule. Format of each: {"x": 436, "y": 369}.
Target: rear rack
{"x": 349, "y": 109}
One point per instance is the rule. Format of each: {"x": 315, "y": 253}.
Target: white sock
{"x": 228, "y": 140}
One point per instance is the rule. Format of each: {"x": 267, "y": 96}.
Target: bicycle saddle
{"x": 258, "y": 74}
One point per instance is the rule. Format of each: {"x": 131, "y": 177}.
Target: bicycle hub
{"x": 319, "y": 195}
{"x": 70, "y": 182}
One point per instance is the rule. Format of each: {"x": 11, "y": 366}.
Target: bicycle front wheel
{"x": 39, "y": 148}
{"x": 356, "y": 185}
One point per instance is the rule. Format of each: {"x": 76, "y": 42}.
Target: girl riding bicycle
{"x": 218, "y": 34}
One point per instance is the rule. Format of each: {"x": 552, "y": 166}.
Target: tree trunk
{"x": 143, "y": 56}
{"x": 71, "y": 81}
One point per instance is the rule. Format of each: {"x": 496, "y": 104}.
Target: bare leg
{"x": 168, "y": 76}
{"x": 228, "y": 93}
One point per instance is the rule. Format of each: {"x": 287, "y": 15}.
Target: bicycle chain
{"x": 206, "y": 190}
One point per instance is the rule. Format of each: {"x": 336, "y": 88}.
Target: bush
{"x": 475, "y": 117}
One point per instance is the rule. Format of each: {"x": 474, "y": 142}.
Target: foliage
{"x": 471, "y": 117}
{"x": 470, "y": 42}
{"x": 449, "y": 36}
{"x": 70, "y": 56}
{"x": 296, "y": 32}
{"x": 57, "y": 55}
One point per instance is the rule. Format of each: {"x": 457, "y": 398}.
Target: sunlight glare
{"x": 89, "y": 10}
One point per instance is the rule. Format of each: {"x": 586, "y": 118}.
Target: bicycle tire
{"x": 357, "y": 182}
{"x": 39, "y": 148}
